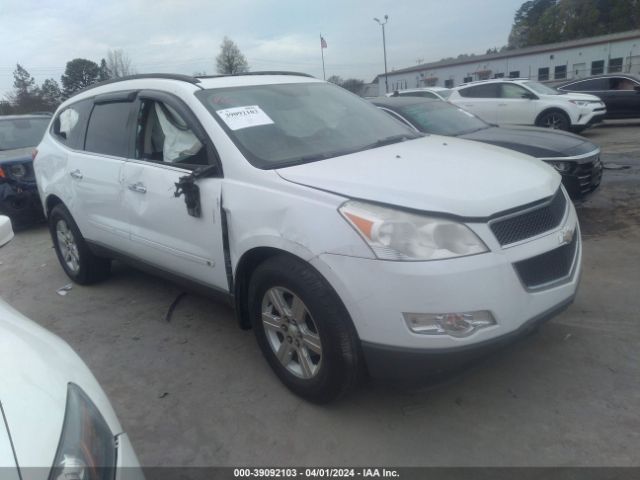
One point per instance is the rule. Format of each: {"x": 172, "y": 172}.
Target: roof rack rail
{"x": 166, "y": 76}
{"x": 267, "y": 72}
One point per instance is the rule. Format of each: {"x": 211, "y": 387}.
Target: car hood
{"x": 433, "y": 174}
{"x": 20, "y": 154}
{"x": 36, "y": 369}
{"x": 537, "y": 142}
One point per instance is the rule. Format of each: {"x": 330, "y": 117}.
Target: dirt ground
{"x": 195, "y": 390}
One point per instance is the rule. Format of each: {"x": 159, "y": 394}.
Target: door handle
{"x": 502, "y": 104}
{"x": 77, "y": 174}
{"x": 138, "y": 187}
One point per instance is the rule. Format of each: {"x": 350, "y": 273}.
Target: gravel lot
{"x": 196, "y": 391}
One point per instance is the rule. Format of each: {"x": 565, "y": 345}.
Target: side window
{"x": 621, "y": 83}
{"x": 489, "y": 90}
{"x": 162, "y": 135}
{"x": 511, "y": 90}
{"x": 594, "y": 85}
{"x": 108, "y": 131}
{"x": 69, "y": 125}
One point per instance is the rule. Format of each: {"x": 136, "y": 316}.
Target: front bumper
{"x": 377, "y": 293}
{"x": 394, "y": 363}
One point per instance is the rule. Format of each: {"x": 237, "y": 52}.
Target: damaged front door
{"x": 164, "y": 231}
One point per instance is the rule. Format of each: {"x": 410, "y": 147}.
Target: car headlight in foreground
{"x": 395, "y": 234}
{"x": 560, "y": 166}
{"x": 87, "y": 449}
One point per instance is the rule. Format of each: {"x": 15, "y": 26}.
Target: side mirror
{"x": 6, "y": 230}
{"x": 637, "y": 88}
{"x": 529, "y": 96}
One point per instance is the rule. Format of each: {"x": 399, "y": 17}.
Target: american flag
{"x": 323, "y": 42}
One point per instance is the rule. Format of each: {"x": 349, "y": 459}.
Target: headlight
{"x": 17, "y": 171}
{"x": 560, "y": 166}
{"x": 397, "y": 235}
{"x": 87, "y": 449}
{"x": 585, "y": 103}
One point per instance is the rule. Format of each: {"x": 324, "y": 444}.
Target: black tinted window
{"x": 108, "y": 131}
{"x": 70, "y": 124}
{"x": 418, "y": 94}
{"x": 593, "y": 85}
{"x": 489, "y": 90}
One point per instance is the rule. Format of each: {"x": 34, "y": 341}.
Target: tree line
{"x": 539, "y": 22}
{"x": 27, "y": 96}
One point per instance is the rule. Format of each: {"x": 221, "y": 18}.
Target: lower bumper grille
{"x": 589, "y": 175}
{"x": 548, "y": 268}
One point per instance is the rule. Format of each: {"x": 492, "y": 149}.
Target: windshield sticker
{"x": 243, "y": 117}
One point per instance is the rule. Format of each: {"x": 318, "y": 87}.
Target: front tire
{"x": 303, "y": 329}
{"x": 77, "y": 260}
{"x": 555, "y": 120}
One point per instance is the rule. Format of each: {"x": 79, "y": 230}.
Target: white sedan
{"x": 56, "y": 418}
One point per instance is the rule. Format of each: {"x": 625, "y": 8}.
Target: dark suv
{"x": 19, "y": 135}
{"x": 619, "y": 92}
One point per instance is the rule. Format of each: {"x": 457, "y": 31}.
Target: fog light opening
{"x": 454, "y": 324}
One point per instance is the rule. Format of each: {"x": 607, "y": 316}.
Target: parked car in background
{"x": 439, "y": 93}
{"x": 574, "y": 157}
{"x": 343, "y": 237}
{"x": 19, "y": 135}
{"x": 525, "y": 102}
{"x": 619, "y": 92}
{"x": 58, "y": 423}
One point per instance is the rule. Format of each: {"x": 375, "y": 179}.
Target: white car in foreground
{"x": 57, "y": 421}
{"x": 342, "y": 236}
{"x": 525, "y": 102}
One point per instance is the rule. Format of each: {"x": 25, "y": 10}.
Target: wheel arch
{"x": 247, "y": 264}
{"x": 51, "y": 201}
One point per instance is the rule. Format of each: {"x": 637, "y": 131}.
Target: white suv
{"x": 525, "y": 102}
{"x": 345, "y": 239}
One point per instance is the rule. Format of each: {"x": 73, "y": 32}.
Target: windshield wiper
{"x": 391, "y": 140}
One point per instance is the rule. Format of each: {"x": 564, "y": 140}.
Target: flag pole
{"x": 324, "y": 76}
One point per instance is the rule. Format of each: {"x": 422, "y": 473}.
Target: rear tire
{"x": 77, "y": 260}
{"x": 303, "y": 329}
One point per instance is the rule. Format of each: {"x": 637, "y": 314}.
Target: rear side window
{"x": 489, "y": 90}
{"x": 108, "y": 129}
{"x": 511, "y": 90}
{"x": 594, "y": 85}
{"x": 70, "y": 124}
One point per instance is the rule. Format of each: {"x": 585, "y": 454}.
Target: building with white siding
{"x": 617, "y": 52}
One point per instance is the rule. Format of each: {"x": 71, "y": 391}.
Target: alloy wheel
{"x": 291, "y": 332}
{"x": 67, "y": 246}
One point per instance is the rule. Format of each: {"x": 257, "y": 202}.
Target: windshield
{"x": 542, "y": 89}
{"x": 441, "y": 118}
{"x": 21, "y": 132}
{"x": 287, "y": 124}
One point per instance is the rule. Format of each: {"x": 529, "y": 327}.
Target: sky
{"x": 184, "y": 36}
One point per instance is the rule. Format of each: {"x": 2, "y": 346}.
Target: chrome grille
{"x": 531, "y": 222}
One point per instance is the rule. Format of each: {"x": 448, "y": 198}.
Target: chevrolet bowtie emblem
{"x": 566, "y": 236}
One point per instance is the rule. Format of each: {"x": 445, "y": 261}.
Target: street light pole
{"x": 384, "y": 49}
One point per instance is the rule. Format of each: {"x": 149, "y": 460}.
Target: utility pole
{"x": 384, "y": 49}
